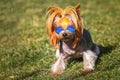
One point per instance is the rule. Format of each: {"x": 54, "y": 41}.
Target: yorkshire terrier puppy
{"x": 66, "y": 33}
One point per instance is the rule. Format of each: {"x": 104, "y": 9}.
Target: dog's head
{"x": 64, "y": 24}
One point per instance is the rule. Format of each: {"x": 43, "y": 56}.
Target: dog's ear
{"x": 53, "y": 15}
{"x": 77, "y": 7}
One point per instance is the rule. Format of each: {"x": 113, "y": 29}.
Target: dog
{"x": 70, "y": 39}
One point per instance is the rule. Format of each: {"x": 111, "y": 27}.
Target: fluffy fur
{"x": 72, "y": 41}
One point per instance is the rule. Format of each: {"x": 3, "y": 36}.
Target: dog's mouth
{"x": 66, "y": 38}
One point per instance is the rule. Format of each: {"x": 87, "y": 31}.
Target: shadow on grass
{"x": 105, "y": 50}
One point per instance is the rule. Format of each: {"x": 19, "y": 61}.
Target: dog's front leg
{"x": 89, "y": 58}
{"x": 59, "y": 66}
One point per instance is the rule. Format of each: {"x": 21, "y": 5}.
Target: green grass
{"x": 25, "y": 52}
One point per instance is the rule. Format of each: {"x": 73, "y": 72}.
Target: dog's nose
{"x": 64, "y": 34}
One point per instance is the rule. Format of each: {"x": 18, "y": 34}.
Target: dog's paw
{"x": 87, "y": 70}
{"x": 54, "y": 74}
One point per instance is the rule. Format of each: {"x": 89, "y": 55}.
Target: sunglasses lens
{"x": 58, "y": 30}
{"x": 71, "y": 29}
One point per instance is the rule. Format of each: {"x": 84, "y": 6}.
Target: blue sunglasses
{"x": 71, "y": 29}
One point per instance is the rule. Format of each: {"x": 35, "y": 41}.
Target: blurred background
{"x": 25, "y": 51}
